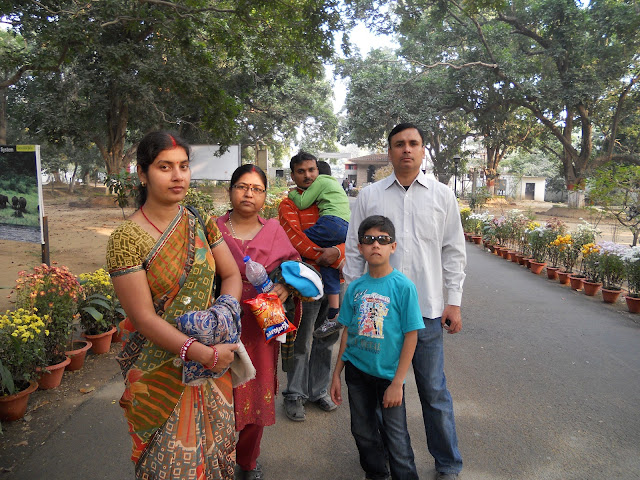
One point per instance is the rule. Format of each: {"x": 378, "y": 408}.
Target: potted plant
{"x": 584, "y": 234}
{"x": 54, "y": 292}
{"x": 489, "y": 233}
{"x": 22, "y": 340}
{"x": 465, "y": 213}
{"x": 611, "y": 270}
{"x": 631, "y": 261}
{"x": 500, "y": 229}
{"x": 591, "y": 268}
{"x": 517, "y": 223}
{"x": 100, "y": 310}
{"x": 475, "y": 224}
{"x": 537, "y": 241}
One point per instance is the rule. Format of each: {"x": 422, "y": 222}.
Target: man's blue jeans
{"x": 437, "y": 406}
{"x": 311, "y": 373}
{"x": 378, "y": 430}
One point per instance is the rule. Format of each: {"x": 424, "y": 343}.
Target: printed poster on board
{"x": 21, "y": 206}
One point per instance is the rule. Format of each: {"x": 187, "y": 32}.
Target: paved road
{"x": 545, "y": 384}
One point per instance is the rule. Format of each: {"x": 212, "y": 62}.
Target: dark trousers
{"x": 379, "y": 432}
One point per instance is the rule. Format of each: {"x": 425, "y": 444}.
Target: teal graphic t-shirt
{"x": 377, "y": 313}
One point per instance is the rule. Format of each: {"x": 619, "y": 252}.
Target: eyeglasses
{"x": 382, "y": 239}
{"x": 245, "y": 188}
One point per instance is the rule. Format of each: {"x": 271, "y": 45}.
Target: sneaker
{"x": 328, "y": 327}
{"x": 446, "y": 476}
{"x": 325, "y": 403}
{"x": 294, "y": 409}
{"x": 255, "y": 474}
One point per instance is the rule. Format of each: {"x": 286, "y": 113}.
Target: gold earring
{"x": 143, "y": 184}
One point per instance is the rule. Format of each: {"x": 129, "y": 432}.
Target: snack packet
{"x": 268, "y": 310}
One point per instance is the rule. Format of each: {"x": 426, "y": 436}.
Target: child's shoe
{"x": 329, "y": 326}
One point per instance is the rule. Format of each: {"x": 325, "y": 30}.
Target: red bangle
{"x": 215, "y": 359}
{"x": 185, "y": 346}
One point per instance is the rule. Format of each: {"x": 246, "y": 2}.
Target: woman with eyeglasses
{"x": 163, "y": 261}
{"x": 247, "y": 233}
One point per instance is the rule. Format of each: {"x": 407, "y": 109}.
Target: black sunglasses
{"x": 382, "y": 239}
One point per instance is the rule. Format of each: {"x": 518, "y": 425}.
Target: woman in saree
{"x": 247, "y": 233}
{"x": 163, "y": 261}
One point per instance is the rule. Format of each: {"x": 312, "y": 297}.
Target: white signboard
{"x": 206, "y": 165}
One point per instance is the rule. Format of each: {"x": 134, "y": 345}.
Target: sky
{"x": 363, "y": 40}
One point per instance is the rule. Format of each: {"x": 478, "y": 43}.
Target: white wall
{"x": 205, "y": 165}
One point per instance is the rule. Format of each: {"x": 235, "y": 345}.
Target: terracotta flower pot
{"x": 13, "y": 407}
{"x": 467, "y": 236}
{"x": 610, "y": 296}
{"x": 506, "y": 253}
{"x": 536, "y": 267}
{"x": 552, "y": 273}
{"x": 577, "y": 283}
{"x": 77, "y": 354}
{"x": 101, "y": 342}
{"x": 117, "y": 335}
{"x": 477, "y": 239}
{"x": 633, "y": 304}
{"x": 563, "y": 277}
{"x": 51, "y": 377}
{"x": 514, "y": 257}
{"x": 591, "y": 288}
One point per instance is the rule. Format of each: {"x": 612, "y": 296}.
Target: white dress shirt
{"x": 431, "y": 248}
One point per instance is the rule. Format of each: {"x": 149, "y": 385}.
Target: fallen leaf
{"x": 87, "y": 390}
{"x": 23, "y": 443}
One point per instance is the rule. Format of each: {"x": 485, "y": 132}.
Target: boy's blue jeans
{"x": 329, "y": 231}
{"x": 373, "y": 437}
{"x": 437, "y": 406}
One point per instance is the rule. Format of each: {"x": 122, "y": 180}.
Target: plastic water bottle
{"x": 257, "y": 275}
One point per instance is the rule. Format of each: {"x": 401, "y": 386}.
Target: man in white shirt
{"x": 431, "y": 252}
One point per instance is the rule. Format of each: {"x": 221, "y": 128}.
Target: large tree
{"x": 136, "y": 65}
{"x": 562, "y": 60}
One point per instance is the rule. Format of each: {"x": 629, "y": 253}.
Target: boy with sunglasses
{"x": 382, "y": 315}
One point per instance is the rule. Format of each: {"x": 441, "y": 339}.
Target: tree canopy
{"x": 568, "y": 68}
{"x": 201, "y": 68}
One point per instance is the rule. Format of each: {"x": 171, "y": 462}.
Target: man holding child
{"x": 309, "y": 374}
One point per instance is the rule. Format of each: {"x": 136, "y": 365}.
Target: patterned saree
{"x": 179, "y": 431}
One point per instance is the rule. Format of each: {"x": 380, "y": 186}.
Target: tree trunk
{"x": 117, "y": 119}
{"x": 72, "y": 180}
